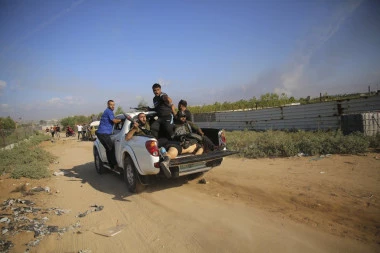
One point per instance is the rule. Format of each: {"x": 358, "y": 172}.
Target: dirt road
{"x": 301, "y": 204}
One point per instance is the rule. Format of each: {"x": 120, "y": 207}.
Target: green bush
{"x": 374, "y": 142}
{"x": 27, "y": 159}
{"x": 251, "y": 144}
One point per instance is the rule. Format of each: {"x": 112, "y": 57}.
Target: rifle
{"x": 142, "y": 108}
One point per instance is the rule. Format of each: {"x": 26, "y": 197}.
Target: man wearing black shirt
{"x": 182, "y": 106}
{"x": 164, "y": 107}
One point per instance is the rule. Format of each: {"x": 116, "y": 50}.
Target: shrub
{"x": 26, "y": 159}
{"x": 251, "y": 144}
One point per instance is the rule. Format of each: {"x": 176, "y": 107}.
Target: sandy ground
{"x": 298, "y": 204}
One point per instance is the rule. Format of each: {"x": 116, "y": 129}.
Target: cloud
{"x": 54, "y": 101}
{"x": 294, "y": 73}
{"x": 65, "y": 101}
{"x": 163, "y": 82}
{"x": 3, "y": 85}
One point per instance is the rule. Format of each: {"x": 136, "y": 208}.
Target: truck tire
{"x": 100, "y": 169}
{"x": 130, "y": 176}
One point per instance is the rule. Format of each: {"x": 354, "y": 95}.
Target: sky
{"x": 60, "y": 58}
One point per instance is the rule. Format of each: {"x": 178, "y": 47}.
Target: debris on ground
{"x": 37, "y": 189}
{"x": 202, "y": 181}
{"x": 95, "y": 208}
{"x": 85, "y": 251}
{"x": 111, "y": 231}
{"x": 5, "y": 245}
{"x": 61, "y": 173}
{"x": 21, "y": 215}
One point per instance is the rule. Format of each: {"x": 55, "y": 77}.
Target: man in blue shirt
{"x": 105, "y": 130}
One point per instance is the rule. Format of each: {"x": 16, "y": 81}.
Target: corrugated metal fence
{"x": 320, "y": 116}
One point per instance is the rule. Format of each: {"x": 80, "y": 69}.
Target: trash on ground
{"x": 37, "y": 189}
{"x": 85, "y": 251}
{"x": 19, "y": 215}
{"x": 95, "y": 208}
{"x": 202, "y": 181}
{"x": 111, "y": 231}
{"x": 5, "y": 245}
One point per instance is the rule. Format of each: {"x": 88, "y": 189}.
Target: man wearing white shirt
{"x": 79, "y": 126}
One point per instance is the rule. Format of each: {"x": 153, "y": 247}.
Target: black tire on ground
{"x": 131, "y": 177}
{"x": 100, "y": 169}
{"x": 195, "y": 175}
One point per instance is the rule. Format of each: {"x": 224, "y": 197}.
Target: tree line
{"x": 269, "y": 100}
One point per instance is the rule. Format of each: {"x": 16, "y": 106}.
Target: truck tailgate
{"x": 200, "y": 158}
{"x": 197, "y": 163}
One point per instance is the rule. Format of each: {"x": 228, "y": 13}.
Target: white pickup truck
{"x": 138, "y": 159}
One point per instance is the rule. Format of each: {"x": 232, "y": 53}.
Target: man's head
{"x": 141, "y": 118}
{"x": 181, "y": 116}
{"x": 182, "y": 104}
{"x": 156, "y": 89}
{"x": 111, "y": 104}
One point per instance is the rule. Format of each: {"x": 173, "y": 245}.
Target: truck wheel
{"x": 131, "y": 177}
{"x": 195, "y": 175}
{"x": 98, "y": 163}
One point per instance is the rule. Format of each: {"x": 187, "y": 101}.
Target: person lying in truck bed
{"x": 141, "y": 128}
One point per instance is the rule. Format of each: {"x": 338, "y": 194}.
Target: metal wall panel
{"x": 371, "y": 123}
{"x": 360, "y": 105}
{"x": 323, "y": 116}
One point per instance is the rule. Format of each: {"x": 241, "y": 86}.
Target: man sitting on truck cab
{"x": 140, "y": 127}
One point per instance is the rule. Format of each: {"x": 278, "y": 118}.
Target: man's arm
{"x": 115, "y": 120}
{"x": 173, "y": 110}
{"x": 132, "y": 132}
{"x": 167, "y": 100}
{"x": 196, "y": 128}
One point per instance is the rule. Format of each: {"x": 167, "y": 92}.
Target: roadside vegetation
{"x": 27, "y": 159}
{"x": 251, "y": 144}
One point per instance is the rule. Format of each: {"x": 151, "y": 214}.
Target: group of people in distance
{"x": 54, "y": 130}
{"x": 178, "y": 135}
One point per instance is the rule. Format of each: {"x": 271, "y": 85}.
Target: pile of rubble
{"x": 21, "y": 215}
{"x": 18, "y": 215}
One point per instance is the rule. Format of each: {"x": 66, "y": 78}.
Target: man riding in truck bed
{"x": 164, "y": 107}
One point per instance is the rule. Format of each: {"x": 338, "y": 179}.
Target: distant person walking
{"x": 79, "y": 127}
{"x": 52, "y": 132}
{"x": 58, "y": 132}
{"x": 105, "y": 130}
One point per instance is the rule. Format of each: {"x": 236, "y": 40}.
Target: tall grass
{"x": 8, "y": 137}
{"x": 27, "y": 159}
{"x": 252, "y": 144}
